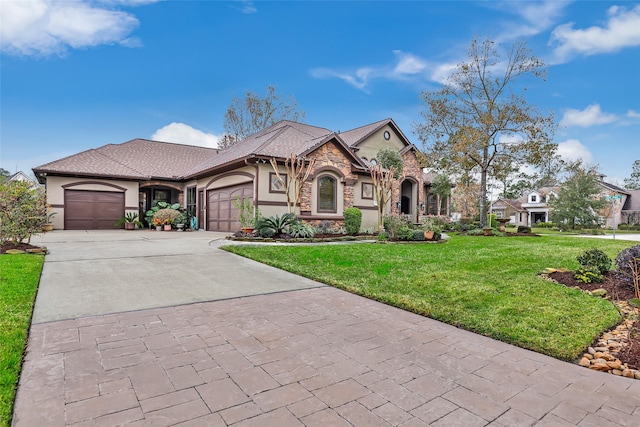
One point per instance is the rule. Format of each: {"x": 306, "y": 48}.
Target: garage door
{"x": 221, "y": 214}
{"x": 92, "y": 210}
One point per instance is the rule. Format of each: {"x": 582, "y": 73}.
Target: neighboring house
{"x": 533, "y": 207}
{"x": 94, "y": 188}
{"x": 430, "y": 206}
{"x": 527, "y": 210}
{"x": 21, "y": 176}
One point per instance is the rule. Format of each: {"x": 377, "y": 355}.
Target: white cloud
{"x": 590, "y": 116}
{"x": 248, "y": 7}
{"x": 181, "y": 133}
{"x": 408, "y": 64}
{"x": 536, "y": 17}
{"x": 572, "y": 149}
{"x": 633, "y": 114}
{"x": 621, "y": 30}
{"x": 46, "y": 27}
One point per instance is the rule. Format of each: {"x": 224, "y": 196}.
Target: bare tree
{"x": 252, "y": 113}
{"x": 298, "y": 170}
{"x": 382, "y": 188}
{"x": 477, "y": 118}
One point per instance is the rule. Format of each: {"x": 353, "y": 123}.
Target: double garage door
{"x": 92, "y": 210}
{"x": 221, "y": 214}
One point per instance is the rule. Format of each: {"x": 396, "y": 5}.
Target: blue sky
{"x": 80, "y": 74}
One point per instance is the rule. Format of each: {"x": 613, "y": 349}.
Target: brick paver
{"x": 314, "y": 357}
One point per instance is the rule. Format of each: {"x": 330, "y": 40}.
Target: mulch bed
{"x": 10, "y": 245}
{"x": 617, "y": 290}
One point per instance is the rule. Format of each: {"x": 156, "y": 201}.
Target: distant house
{"x": 533, "y": 207}
{"x": 94, "y": 188}
{"x": 21, "y": 176}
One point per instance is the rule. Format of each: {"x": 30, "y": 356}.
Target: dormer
{"x": 535, "y": 197}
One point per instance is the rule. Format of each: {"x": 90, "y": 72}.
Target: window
{"x": 275, "y": 185}
{"x": 367, "y": 190}
{"x": 534, "y": 198}
{"x": 327, "y": 192}
{"x": 191, "y": 201}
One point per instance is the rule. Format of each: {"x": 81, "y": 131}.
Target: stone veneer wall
{"x": 411, "y": 169}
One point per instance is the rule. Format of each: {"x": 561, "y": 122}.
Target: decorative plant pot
{"x": 47, "y": 227}
{"x": 247, "y": 230}
{"x": 167, "y": 227}
{"x": 180, "y": 227}
{"x": 487, "y": 231}
{"x": 428, "y": 235}
{"x": 130, "y": 226}
{"x": 158, "y": 228}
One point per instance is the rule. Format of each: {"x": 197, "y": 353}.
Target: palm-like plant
{"x": 277, "y": 224}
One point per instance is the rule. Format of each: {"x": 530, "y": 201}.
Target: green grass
{"x": 486, "y": 285}
{"x": 19, "y": 277}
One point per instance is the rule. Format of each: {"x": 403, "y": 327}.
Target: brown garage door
{"x": 221, "y": 214}
{"x": 92, "y": 210}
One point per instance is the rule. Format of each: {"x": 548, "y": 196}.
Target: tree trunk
{"x": 438, "y": 204}
{"x": 483, "y": 198}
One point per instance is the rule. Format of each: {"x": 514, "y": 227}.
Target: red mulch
{"x": 10, "y": 245}
{"x": 617, "y": 290}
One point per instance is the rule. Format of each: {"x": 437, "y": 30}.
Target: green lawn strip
{"x": 486, "y": 285}
{"x": 19, "y": 277}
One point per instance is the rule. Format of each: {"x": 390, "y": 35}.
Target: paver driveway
{"x": 313, "y": 357}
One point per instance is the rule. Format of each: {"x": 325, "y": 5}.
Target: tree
{"x": 253, "y": 113}
{"x": 23, "y": 211}
{"x": 441, "y": 187}
{"x": 578, "y": 200}
{"x": 633, "y": 182}
{"x": 477, "y": 117}
{"x": 4, "y": 174}
{"x": 388, "y": 157}
{"x": 466, "y": 195}
{"x": 298, "y": 170}
{"x": 382, "y": 179}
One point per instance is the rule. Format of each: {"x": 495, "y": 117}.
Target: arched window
{"x": 327, "y": 194}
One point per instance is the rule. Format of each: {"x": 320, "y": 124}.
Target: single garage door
{"x": 221, "y": 214}
{"x": 92, "y": 210}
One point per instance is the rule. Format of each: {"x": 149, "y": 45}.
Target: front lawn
{"x": 488, "y": 285}
{"x": 19, "y": 277}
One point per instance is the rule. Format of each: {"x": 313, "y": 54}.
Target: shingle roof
{"x": 354, "y": 136}
{"x": 138, "y": 158}
{"x": 279, "y": 140}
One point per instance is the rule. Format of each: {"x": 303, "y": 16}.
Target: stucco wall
{"x": 369, "y": 148}
{"x": 56, "y": 185}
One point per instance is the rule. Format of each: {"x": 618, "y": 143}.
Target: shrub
{"x": 267, "y": 233}
{"x": 544, "y": 224}
{"x": 628, "y": 267}
{"x": 418, "y": 235}
{"x": 393, "y": 224}
{"x": 23, "y": 211}
{"x": 595, "y": 260}
{"x": 278, "y": 224}
{"x": 623, "y": 226}
{"x": 301, "y": 230}
{"x": 167, "y": 216}
{"x": 405, "y": 233}
{"x": 382, "y": 237}
{"x": 524, "y": 229}
{"x": 352, "y": 220}
{"x": 587, "y": 275}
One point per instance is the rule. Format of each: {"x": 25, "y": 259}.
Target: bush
{"x": 383, "y": 237}
{"x": 524, "y": 229}
{"x": 595, "y": 260}
{"x": 168, "y": 215}
{"x": 301, "y": 230}
{"x": 278, "y": 224}
{"x": 352, "y": 220}
{"x": 23, "y": 211}
{"x": 267, "y": 233}
{"x": 627, "y": 264}
{"x": 623, "y": 226}
{"x": 405, "y": 233}
{"x": 393, "y": 224}
{"x": 418, "y": 235}
{"x": 587, "y": 275}
{"x": 544, "y": 224}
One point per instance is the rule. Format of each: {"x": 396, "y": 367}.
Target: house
{"x": 527, "y": 210}
{"x": 94, "y": 188}
{"x": 21, "y": 176}
{"x": 533, "y": 207}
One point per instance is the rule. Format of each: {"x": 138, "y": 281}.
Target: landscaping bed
{"x": 20, "y": 246}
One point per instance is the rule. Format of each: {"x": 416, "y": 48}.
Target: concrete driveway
{"x": 307, "y": 357}
{"x": 90, "y": 273}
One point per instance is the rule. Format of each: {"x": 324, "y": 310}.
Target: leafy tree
{"x": 23, "y": 211}
{"x": 4, "y": 174}
{"x": 389, "y": 157}
{"x": 466, "y": 195}
{"x": 252, "y": 114}
{"x": 441, "y": 187}
{"x": 633, "y": 182}
{"x": 477, "y": 117}
{"x": 579, "y": 198}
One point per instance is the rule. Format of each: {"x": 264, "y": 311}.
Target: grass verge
{"x": 487, "y": 285}
{"x": 19, "y": 277}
